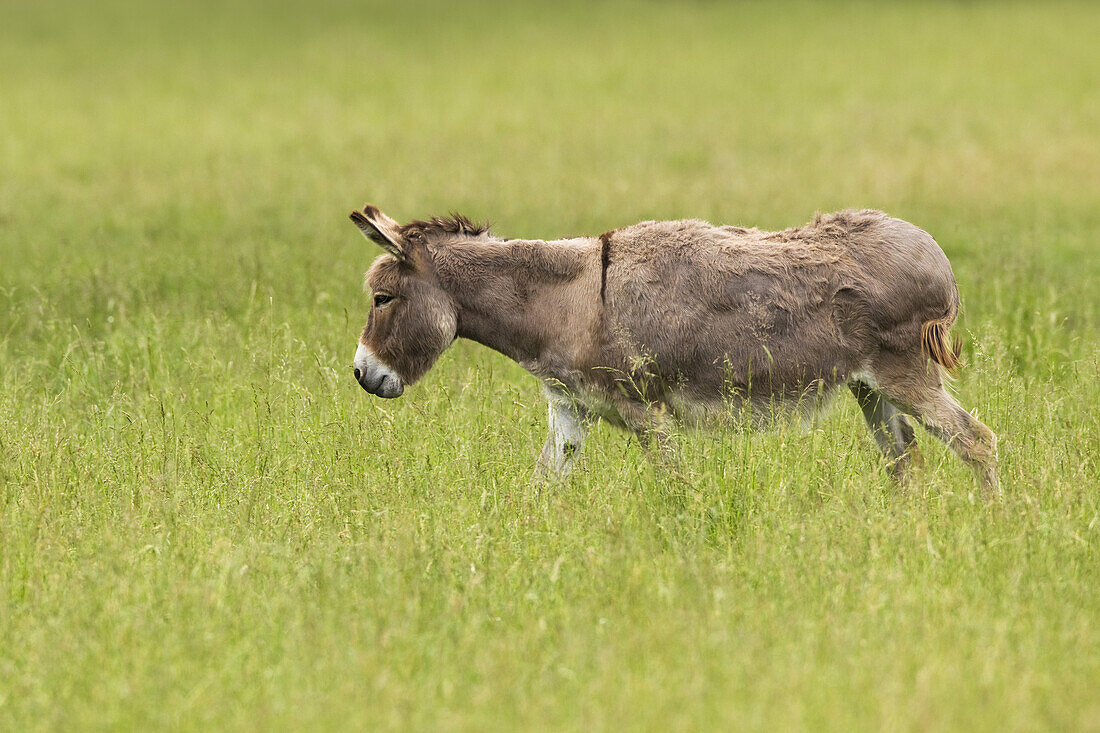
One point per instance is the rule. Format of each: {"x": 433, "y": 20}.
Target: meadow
{"x": 206, "y": 523}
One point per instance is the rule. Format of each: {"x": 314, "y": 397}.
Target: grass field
{"x": 205, "y": 522}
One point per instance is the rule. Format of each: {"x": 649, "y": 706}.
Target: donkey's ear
{"x": 380, "y": 229}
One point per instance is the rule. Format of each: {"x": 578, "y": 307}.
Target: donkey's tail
{"x": 938, "y": 345}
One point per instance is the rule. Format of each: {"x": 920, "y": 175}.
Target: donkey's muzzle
{"x": 383, "y": 387}
{"x": 375, "y": 377}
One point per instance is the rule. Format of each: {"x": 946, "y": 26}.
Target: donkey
{"x": 674, "y": 321}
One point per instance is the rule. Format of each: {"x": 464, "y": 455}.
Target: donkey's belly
{"x": 751, "y": 412}
{"x": 723, "y": 408}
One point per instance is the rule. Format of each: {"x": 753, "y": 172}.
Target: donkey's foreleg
{"x": 568, "y": 429}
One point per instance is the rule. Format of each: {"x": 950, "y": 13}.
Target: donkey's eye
{"x": 380, "y": 300}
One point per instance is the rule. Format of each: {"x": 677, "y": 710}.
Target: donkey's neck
{"x": 536, "y": 302}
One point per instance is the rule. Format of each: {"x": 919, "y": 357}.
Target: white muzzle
{"x": 374, "y": 376}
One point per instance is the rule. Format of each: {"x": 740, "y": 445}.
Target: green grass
{"x": 205, "y": 522}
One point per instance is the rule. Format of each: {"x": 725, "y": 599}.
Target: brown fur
{"x": 673, "y": 319}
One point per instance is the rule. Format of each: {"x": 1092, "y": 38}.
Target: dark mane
{"x": 453, "y": 224}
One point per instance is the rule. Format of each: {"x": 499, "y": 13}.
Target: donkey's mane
{"x": 453, "y": 224}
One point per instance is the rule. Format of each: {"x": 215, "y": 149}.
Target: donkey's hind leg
{"x": 920, "y": 392}
{"x": 890, "y": 429}
{"x": 966, "y": 435}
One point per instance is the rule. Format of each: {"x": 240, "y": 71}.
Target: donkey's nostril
{"x": 357, "y": 374}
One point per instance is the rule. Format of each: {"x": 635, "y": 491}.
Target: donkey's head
{"x": 412, "y": 319}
